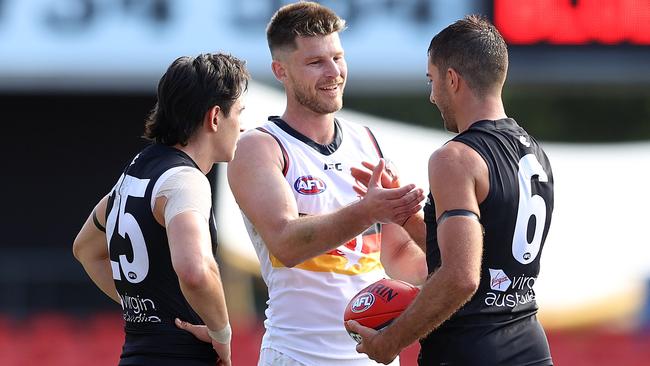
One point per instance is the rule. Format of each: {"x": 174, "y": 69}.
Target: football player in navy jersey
{"x": 486, "y": 219}
{"x": 149, "y": 244}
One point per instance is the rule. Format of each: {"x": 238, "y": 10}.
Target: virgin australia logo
{"x": 499, "y": 281}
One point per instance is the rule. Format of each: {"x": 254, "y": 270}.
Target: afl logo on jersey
{"x": 309, "y": 185}
{"x": 363, "y": 302}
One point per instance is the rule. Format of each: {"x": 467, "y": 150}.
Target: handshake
{"x": 382, "y": 195}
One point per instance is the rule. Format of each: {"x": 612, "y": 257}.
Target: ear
{"x": 211, "y": 118}
{"x": 453, "y": 79}
{"x": 279, "y": 71}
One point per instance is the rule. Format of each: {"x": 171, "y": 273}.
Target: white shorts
{"x": 271, "y": 357}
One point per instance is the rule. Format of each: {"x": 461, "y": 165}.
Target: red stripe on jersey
{"x": 374, "y": 141}
{"x": 285, "y": 156}
{"x": 371, "y": 244}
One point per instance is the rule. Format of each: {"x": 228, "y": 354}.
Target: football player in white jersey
{"x": 318, "y": 241}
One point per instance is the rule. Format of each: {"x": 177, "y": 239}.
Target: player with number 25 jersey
{"x": 140, "y": 258}
{"x": 149, "y": 244}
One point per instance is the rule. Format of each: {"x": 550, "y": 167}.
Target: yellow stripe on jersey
{"x": 337, "y": 263}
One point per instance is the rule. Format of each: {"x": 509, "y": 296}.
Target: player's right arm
{"x": 91, "y": 249}
{"x": 459, "y": 180}
{"x": 259, "y": 186}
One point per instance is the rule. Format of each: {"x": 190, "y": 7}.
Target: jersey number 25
{"x": 137, "y": 269}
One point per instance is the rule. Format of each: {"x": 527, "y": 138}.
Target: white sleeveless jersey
{"x": 306, "y": 302}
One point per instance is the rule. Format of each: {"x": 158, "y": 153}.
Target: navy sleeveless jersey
{"x": 515, "y": 215}
{"x": 142, "y": 267}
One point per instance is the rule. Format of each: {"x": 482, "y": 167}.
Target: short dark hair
{"x": 301, "y": 19}
{"x": 188, "y": 89}
{"x": 475, "y": 49}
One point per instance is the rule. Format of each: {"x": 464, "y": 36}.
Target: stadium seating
{"x": 57, "y": 339}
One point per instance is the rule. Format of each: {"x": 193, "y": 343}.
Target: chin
{"x": 449, "y": 125}
{"x": 336, "y": 106}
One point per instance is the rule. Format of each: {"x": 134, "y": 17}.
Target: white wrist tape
{"x": 222, "y": 336}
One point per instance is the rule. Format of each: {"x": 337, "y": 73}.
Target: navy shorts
{"x": 517, "y": 342}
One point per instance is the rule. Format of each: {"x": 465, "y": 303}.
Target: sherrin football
{"x": 379, "y": 304}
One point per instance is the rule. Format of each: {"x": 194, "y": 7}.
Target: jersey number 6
{"x": 531, "y": 207}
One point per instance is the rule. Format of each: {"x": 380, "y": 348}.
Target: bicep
{"x": 453, "y": 173}
{"x": 259, "y": 186}
{"x": 189, "y": 238}
{"x": 90, "y": 242}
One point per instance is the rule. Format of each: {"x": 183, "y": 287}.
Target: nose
{"x": 332, "y": 69}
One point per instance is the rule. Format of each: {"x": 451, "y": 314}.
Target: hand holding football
{"x": 377, "y": 305}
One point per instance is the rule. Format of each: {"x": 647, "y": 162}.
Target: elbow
{"x": 77, "y": 249}
{"x": 287, "y": 260}
{"x": 281, "y": 251}
{"x": 467, "y": 285}
{"x": 194, "y": 276}
{"x": 462, "y": 284}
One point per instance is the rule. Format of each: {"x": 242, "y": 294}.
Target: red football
{"x": 378, "y": 304}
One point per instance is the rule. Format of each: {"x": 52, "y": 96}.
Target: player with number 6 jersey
{"x": 150, "y": 243}
{"x": 486, "y": 219}
{"x": 516, "y": 216}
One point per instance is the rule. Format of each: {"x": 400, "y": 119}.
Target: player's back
{"x": 515, "y": 216}
{"x": 142, "y": 269}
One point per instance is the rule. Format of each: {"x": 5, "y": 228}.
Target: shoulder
{"x": 184, "y": 180}
{"x": 456, "y": 156}
{"x": 256, "y": 141}
{"x": 257, "y": 148}
{"x": 456, "y": 162}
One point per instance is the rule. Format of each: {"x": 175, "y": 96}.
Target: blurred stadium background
{"x": 77, "y": 78}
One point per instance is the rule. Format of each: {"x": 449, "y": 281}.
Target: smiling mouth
{"x": 329, "y": 87}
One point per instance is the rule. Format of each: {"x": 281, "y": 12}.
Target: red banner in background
{"x": 573, "y": 22}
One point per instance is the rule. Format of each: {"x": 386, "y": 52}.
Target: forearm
{"x": 99, "y": 271}
{"x": 91, "y": 250}
{"x": 402, "y": 258}
{"x": 206, "y": 296}
{"x": 438, "y": 300}
{"x": 417, "y": 230}
{"x": 310, "y": 236}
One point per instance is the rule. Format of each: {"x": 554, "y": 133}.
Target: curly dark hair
{"x": 188, "y": 89}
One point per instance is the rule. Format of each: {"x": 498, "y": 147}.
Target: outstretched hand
{"x": 371, "y": 343}
{"x": 389, "y": 176}
{"x": 387, "y": 205}
{"x": 201, "y": 333}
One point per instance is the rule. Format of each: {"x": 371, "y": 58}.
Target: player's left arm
{"x": 402, "y": 246}
{"x": 91, "y": 249}
{"x": 457, "y": 177}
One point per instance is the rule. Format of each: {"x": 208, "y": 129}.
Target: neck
{"x": 488, "y": 108}
{"x": 318, "y": 127}
{"x": 200, "y": 156}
